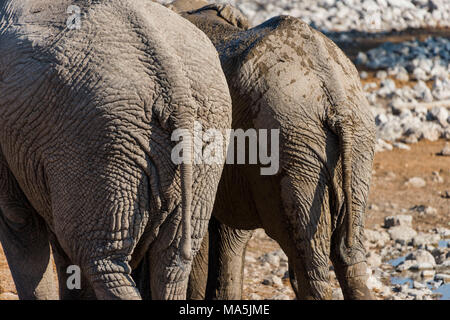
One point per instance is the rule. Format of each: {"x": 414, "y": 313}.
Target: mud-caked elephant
{"x": 91, "y": 93}
{"x": 284, "y": 75}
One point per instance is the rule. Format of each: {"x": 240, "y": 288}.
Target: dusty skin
{"x": 420, "y": 161}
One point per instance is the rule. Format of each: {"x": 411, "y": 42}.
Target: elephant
{"x": 284, "y": 75}
{"x": 95, "y": 97}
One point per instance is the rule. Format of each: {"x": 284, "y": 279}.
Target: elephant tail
{"x": 186, "y": 186}
{"x": 345, "y": 144}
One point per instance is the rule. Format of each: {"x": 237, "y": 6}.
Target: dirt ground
{"x": 389, "y": 195}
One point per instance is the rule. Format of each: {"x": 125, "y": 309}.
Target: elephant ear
{"x": 227, "y": 12}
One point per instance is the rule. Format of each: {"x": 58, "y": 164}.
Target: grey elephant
{"x": 285, "y": 75}
{"x": 90, "y": 96}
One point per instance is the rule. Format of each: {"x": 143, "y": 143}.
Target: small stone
{"x": 421, "y": 266}
{"x": 402, "y": 76}
{"x": 402, "y": 234}
{"x": 416, "y": 182}
{"x": 254, "y": 296}
{"x": 361, "y": 58}
{"x": 381, "y": 74}
{"x": 363, "y": 75}
{"x": 423, "y": 92}
{"x": 273, "y": 280}
{"x": 401, "y": 146}
{"x": 423, "y": 239}
{"x": 405, "y": 265}
{"x": 374, "y": 284}
{"x": 377, "y": 237}
{"x": 439, "y": 114}
{"x": 427, "y": 273}
{"x": 399, "y": 220}
{"x": 382, "y": 146}
{"x": 424, "y": 210}
{"x": 442, "y": 277}
{"x": 373, "y": 260}
{"x": 419, "y": 285}
{"x": 422, "y": 256}
{"x": 446, "y": 150}
{"x": 272, "y": 259}
{"x": 281, "y": 296}
{"x": 436, "y": 177}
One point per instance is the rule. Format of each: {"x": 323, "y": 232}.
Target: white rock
{"x": 399, "y": 220}
{"x": 373, "y": 260}
{"x": 271, "y": 258}
{"x": 423, "y": 239}
{"x": 446, "y": 150}
{"x": 422, "y": 256}
{"x": 402, "y": 234}
{"x": 422, "y": 91}
{"x": 254, "y": 296}
{"x": 421, "y": 266}
{"x": 378, "y": 237}
{"x": 416, "y": 182}
{"x": 440, "y": 114}
{"x": 401, "y": 146}
{"x": 281, "y": 296}
{"x": 374, "y": 284}
{"x": 382, "y": 75}
{"x": 427, "y": 273}
{"x": 442, "y": 277}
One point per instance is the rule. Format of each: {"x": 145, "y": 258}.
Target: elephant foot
{"x": 353, "y": 280}
{"x": 356, "y": 289}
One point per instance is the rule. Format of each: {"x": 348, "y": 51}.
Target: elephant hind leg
{"x": 306, "y": 240}
{"x": 199, "y": 275}
{"x": 24, "y": 238}
{"x": 62, "y": 263}
{"x": 351, "y": 269}
{"x": 226, "y": 261}
{"x": 97, "y": 225}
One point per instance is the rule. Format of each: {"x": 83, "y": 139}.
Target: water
{"x": 402, "y": 281}
{"x": 444, "y": 243}
{"x": 395, "y": 262}
{"x": 445, "y": 291}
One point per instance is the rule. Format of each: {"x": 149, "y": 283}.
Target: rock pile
{"x": 346, "y": 15}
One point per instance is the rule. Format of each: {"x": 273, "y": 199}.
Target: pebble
{"x": 427, "y": 273}
{"x": 402, "y": 234}
{"x": 422, "y": 257}
{"x": 442, "y": 277}
{"x": 423, "y": 239}
{"x": 399, "y": 220}
{"x": 416, "y": 182}
{"x": 446, "y": 150}
{"x": 424, "y": 210}
{"x": 377, "y": 237}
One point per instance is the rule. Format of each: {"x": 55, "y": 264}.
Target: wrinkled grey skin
{"x": 285, "y": 75}
{"x": 86, "y": 118}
